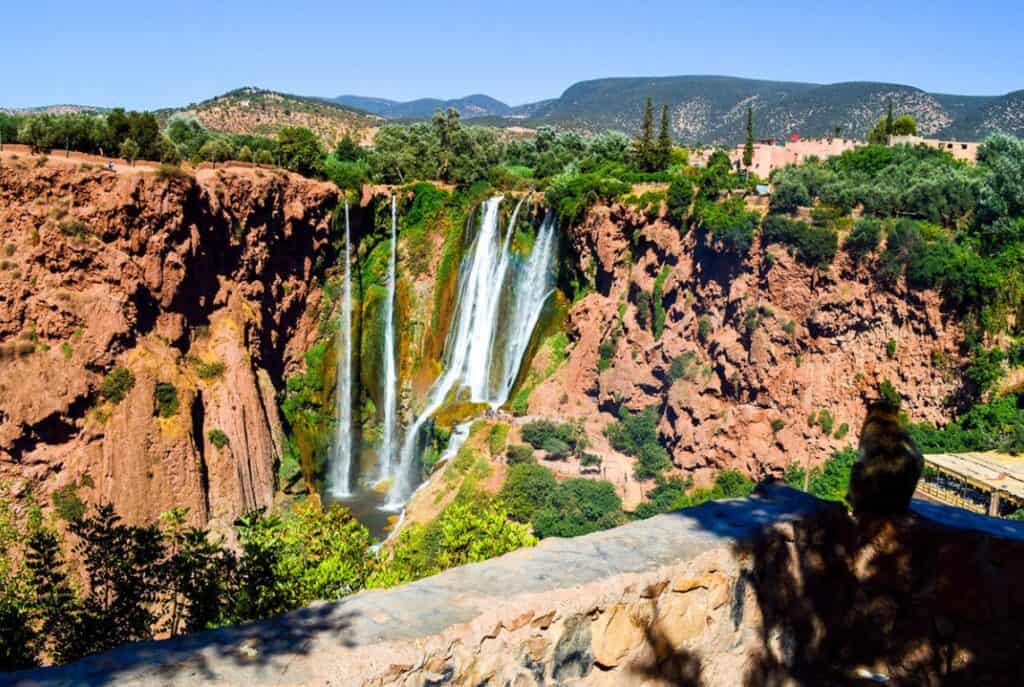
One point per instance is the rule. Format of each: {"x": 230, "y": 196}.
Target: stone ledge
{"x": 752, "y": 589}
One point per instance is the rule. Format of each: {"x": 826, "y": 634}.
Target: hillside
{"x": 471, "y": 106}
{"x": 712, "y": 109}
{"x": 252, "y": 110}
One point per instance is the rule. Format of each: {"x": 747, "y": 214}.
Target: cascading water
{"x": 387, "y": 451}
{"x": 491, "y": 275}
{"x": 340, "y": 481}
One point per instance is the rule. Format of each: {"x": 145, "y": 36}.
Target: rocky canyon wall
{"x": 751, "y": 347}
{"x": 203, "y": 285}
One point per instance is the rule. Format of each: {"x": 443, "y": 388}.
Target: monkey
{"x": 884, "y": 478}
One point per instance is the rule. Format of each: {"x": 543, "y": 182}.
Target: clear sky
{"x": 144, "y": 54}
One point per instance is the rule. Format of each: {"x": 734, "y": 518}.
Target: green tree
{"x": 579, "y": 506}
{"x": 889, "y": 123}
{"x": 663, "y": 148}
{"x": 300, "y": 151}
{"x": 678, "y": 198}
{"x": 56, "y": 610}
{"x": 904, "y": 126}
{"x": 348, "y": 150}
{"x": 197, "y": 575}
{"x": 643, "y": 145}
{"x": 447, "y": 128}
{"x": 748, "y": 148}
{"x": 129, "y": 151}
{"x": 244, "y": 154}
{"x": 216, "y": 150}
{"x": 264, "y": 157}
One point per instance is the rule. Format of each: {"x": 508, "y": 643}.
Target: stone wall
{"x": 778, "y": 589}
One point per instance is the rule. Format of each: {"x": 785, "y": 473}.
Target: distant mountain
{"x": 712, "y": 109}
{"x": 472, "y": 106}
{"x": 253, "y": 110}
{"x": 52, "y": 109}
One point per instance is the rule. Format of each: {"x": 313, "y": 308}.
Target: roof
{"x": 991, "y": 471}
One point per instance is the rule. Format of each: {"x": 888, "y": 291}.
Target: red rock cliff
{"x": 197, "y": 282}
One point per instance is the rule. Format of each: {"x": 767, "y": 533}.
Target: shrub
{"x": 218, "y": 438}
{"x": 636, "y": 434}
{"x": 843, "y": 430}
{"x": 679, "y": 198}
{"x": 864, "y": 238}
{"x": 209, "y": 370}
{"x": 67, "y": 503}
{"x": 527, "y": 487}
{"x": 556, "y": 448}
{"x": 589, "y": 460}
{"x": 683, "y": 366}
{"x": 778, "y": 425}
{"x": 704, "y": 328}
{"x": 168, "y": 170}
{"x": 166, "y": 399}
{"x": 888, "y": 393}
{"x": 657, "y": 301}
{"x": 890, "y": 349}
{"x": 518, "y": 454}
{"x": 729, "y": 224}
{"x": 815, "y": 246}
{"x": 578, "y": 506}
{"x": 498, "y": 438}
{"x": 537, "y": 433}
{"x": 116, "y": 384}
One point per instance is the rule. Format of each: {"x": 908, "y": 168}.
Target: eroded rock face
{"x": 761, "y": 344}
{"x": 161, "y": 276}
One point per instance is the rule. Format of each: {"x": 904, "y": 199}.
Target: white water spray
{"x": 472, "y": 360}
{"x": 340, "y": 479}
{"x": 390, "y": 372}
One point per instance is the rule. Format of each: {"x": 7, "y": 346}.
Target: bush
{"x": 67, "y": 503}
{"x": 864, "y": 238}
{"x": 887, "y": 392}
{"x": 556, "y": 448}
{"x": 729, "y": 224}
{"x": 589, "y": 460}
{"x": 116, "y": 384}
{"x": 498, "y": 438}
{"x": 890, "y": 349}
{"x": 538, "y": 433}
{"x": 578, "y": 506}
{"x": 527, "y": 488}
{"x": 572, "y": 194}
{"x": 636, "y": 434}
{"x": 166, "y": 399}
{"x": 209, "y": 370}
{"x": 519, "y": 454}
{"x": 815, "y": 246}
{"x": 679, "y": 197}
{"x": 218, "y": 438}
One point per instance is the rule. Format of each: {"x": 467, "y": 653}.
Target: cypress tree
{"x": 889, "y": 120}
{"x": 664, "y": 149}
{"x": 643, "y": 147}
{"x": 748, "y": 149}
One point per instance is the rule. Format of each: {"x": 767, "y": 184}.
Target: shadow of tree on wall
{"x": 264, "y": 643}
{"x": 903, "y": 600}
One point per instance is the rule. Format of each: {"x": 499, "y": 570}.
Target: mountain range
{"x": 712, "y": 109}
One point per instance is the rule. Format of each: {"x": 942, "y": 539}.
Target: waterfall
{"x": 531, "y": 292}
{"x": 489, "y": 271}
{"x": 340, "y": 478}
{"x": 390, "y": 372}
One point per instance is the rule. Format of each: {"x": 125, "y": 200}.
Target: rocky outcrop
{"x": 204, "y": 283}
{"x": 759, "y": 345}
{"x": 778, "y": 589}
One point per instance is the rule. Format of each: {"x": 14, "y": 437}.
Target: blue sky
{"x": 155, "y": 54}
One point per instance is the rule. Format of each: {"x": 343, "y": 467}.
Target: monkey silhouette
{"x": 884, "y": 478}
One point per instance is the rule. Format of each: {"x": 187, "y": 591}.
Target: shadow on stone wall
{"x": 190, "y": 659}
{"x": 901, "y": 600}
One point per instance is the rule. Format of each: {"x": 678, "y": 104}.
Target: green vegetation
{"x": 636, "y": 434}
{"x": 673, "y": 493}
{"x": 212, "y": 369}
{"x": 518, "y": 454}
{"x": 728, "y": 223}
{"x": 995, "y": 425}
{"x": 814, "y": 245}
{"x": 831, "y": 481}
{"x": 167, "y": 402}
{"x": 117, "y": 384}
{"x": 218, "y": 438}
